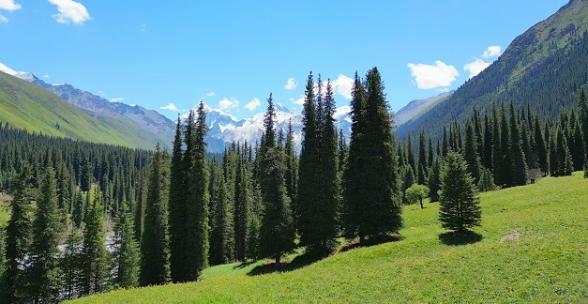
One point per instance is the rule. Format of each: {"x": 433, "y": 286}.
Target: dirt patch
{"x": 513, "y": 236}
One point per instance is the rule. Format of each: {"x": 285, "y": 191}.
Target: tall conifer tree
{"x": 45, "y": 274}
{"x": 155, "y": 241}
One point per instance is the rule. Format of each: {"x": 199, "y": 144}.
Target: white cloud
{"x": 170, "y": 107}
{"x": 492, "y": 51}
{"x": 253, "y": 104}
{"x": 69, "y": 11}
{"x": 46, "y": 76}
{"x": 299, "y": 101}
{"x": 343, "y": 86}
{"x": 290, "y": 84}
{"x": 476, "y": 67}
{"x": 439, "y": 75}
{"x": 210, "y": 94}
{"x": 9, "y": 5}
{"x": 117, "y": 99}
{"x": 228, "y": 103}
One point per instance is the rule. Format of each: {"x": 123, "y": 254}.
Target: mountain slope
{"x": 29, "y": 106}
{"x": 153, "y": 126}
{"x": 531, "y": 249}
{"x": 544, "y": 67}
{"x": 418, "y": 107}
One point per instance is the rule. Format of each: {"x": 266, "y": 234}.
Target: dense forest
{"x": 86, "y": 218}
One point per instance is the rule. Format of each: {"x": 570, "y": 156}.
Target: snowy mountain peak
{"x": 26, "y": 76}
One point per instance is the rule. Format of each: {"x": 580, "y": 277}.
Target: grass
{"x": 532, "y": 248}
{"x": 30, "y": 107}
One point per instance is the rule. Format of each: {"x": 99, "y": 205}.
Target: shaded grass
{"x": 547, "y": 261}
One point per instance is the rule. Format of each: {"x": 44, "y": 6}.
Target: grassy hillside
{"x": 532, "y": 248}
{"x": 28, "y": 106}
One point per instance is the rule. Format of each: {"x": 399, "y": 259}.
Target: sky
{"x": 168, "y": 55}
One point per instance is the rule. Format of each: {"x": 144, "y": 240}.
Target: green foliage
{"x": 372, "y": 185}
{"x": 18, "y": 239}
{"x": 435, "y": 181}
{"x": 94, "y": 257}
{"x": 459, "y": 202}
{"x": 416, "y": 193}
{"x": 277, "y": 226}
{"x": 486, "y": 182}
{"x": 471, "y": 154}
{"x": 126, "y": 252}
{"x": 155, "y": 241}
{"x": 44, "y": 273}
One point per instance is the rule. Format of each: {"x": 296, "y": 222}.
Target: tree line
{"x": 177, "y": 213}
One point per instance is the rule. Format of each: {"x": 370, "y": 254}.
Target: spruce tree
{"x": 71, "y": 264}
{"x": 541, "y": 148}
{"x": 422, "y": 163}
{"x": 126, "y": 252}
{"x": 242, "y": 210}
{"x": 352, "y": 176}
{"x": 277, "y": 229}
{"x": 155, "y": 241}
{"x": 434, "y": 181}
{"x": 372, "y": 184}
{"x": 459, "y": 203}
{"x": 292, "y": 165}
{"x": 486, "y": 182}
{"x": 220, "y": 235}
{"x": 45, "y": 274}
{"x": 488, "y": 143}
{"x": 328, "y": 204}
{"x": 198, "y": 200}
{"x": 78, "y": 210}
{"x": 519, "y": 174}
{"x": 471, "y": 155}
{"x": 308, "y": 181}
{"x": 94, "y": 261}
{"x": 18, "y": 238}
{"x": 177, "y": 203}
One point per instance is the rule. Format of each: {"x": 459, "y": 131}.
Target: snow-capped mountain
{"x": 224, "y": 128}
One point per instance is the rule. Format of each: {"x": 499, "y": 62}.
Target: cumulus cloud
{"x": 290, "y": 84}
{"x": 476, "y": 67}
{"x": 46, "y": 76}
{"x": 69, "y": 11}
{"x": 9, "y": 5}
{"x": 170, "y": 107}
{"x": 228, "y": 103}
{"x": 492, "y": 51}
{"x": 299, "y": 101}
{"x": 210, "y": 94}
{"x": 343, "y": 85}
{"x": 439, "y": 75}
{"x": 253, "y": 104}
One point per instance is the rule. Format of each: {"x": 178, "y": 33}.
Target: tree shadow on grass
{"x": 371, "y": 242}
{"x": 297, "y": 263}
{"x": 458, "y": 238}
{"x": 244, "y": 264}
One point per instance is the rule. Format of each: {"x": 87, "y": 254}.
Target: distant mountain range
{"x": 545, "y": 67}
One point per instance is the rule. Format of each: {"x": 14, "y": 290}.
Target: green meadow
{"x": 532, "y": 247}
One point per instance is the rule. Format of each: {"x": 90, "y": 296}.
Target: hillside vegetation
{"x": 544, "y": 67}
{"x": 29, "y": 106}
{"x": 532, "y": 247}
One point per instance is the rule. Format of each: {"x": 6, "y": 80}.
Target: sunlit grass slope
{"x": 534, "y": 249}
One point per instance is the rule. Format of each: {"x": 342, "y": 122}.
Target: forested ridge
{"x": 87, "y": 218}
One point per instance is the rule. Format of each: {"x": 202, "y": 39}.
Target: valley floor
{"x": 532, "y": 248}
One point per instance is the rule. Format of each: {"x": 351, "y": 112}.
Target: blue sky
{"x": 230, "y": 53}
